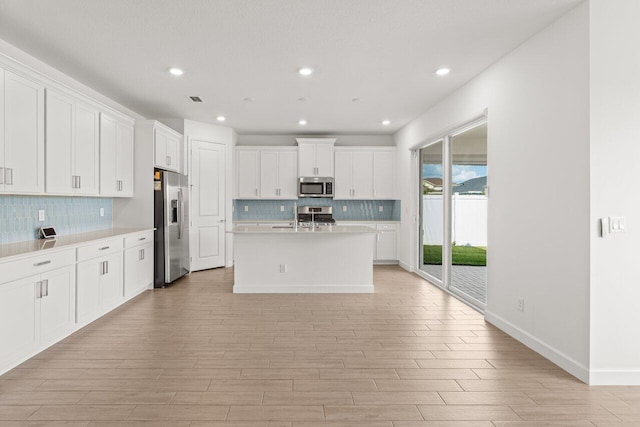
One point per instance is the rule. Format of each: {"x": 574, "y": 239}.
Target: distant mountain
{"x": 474, "y": 185}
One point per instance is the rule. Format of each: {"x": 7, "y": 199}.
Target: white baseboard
{"x": 302, "y": 289}
{"x": 406, "y": 266}
{"x": 614, "y": 377}
{"x": 570, "y": 365}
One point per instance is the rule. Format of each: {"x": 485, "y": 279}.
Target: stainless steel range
{"x": 315, "y": 215}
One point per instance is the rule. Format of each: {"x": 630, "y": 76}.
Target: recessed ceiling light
{"x": 302, "y": 122}
{"x": 386, "y": 122}
{"x": 443, "y": 71}
{"x": 221, "y": 118}
{"x": 247, "y": 99}
{"x": 176, "y": 71}
{"x": 303, "y": 99}
{"x": 305, "y": 71}
{"x": 355, "y": 99}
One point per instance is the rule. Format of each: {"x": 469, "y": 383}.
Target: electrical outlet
{"x": 344, "y": 208}
{"x": 246, "y": 208}
{"x": 41, "y": 215}
{"x": 281, "y": 208}
{"x": 101, "y": 211}
{"x": 380, "y": 208}
{"x": 520, "y": 304}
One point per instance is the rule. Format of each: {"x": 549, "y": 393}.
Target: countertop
{"x": 335, "y": 229}
{"x": 35, "y": 247}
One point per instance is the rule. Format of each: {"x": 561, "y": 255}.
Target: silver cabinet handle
{"x": 222, "y": 220}
{"x": 8, "y": 176}
{"x": 79, "y": 182}
{"x": 73, "y": 181}
{"x": 139, "y": 254}
{"x": 143, "y": 254}
{"x": 38, "y": 290}
{"x": 1, "y": 175}
{"x": 106, "y": 267}
{"x": 45, "y": 284}
{"x": 39, "y": 264}
{"x": 101, "y": 268}
{"x": 142, "y": 238}
{"x": 104, "y": 248}
{"x": 256, "y": 191}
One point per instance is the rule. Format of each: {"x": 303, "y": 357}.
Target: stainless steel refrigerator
{"x": 171, "y": 199}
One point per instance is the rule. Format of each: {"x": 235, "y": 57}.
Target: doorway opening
{"x": 453, "y": 212}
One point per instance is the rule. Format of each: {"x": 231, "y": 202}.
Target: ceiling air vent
{"x": 195, "y": 99}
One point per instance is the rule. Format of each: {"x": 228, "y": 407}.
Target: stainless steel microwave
{"x": 315, "y": 187}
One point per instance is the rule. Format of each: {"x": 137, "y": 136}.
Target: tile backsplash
{"x": 356, "y": 210}
{"x": 69, "y": 215}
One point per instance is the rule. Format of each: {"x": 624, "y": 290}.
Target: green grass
{"x": 462, "y": 255}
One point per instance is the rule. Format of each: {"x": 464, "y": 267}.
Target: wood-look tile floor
{"x": 196, "y": 355}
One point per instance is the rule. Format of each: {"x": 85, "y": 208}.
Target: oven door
{"x": 311, "y": 189}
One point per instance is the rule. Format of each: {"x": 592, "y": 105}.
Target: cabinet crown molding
{"x": 330, "y": 141}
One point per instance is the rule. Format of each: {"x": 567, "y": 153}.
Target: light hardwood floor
{"x": 197, "y": 355}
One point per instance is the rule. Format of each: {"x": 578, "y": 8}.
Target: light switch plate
{"x": 344, "y": 208}
{"x": 380, "y": 208}
{"x": 246, "y": 208}
{"x": 41, "y": 215}
{"x": 281, "y": 208}
{"x": 101, "y": 212}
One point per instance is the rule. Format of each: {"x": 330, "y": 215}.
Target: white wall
{"x": 223, "y": 135}
{"x": 538, "y": 121}
{"x": 615, "y": 173}
{"x": 367, "y": 140}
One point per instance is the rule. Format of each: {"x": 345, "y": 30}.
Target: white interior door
{"x": 207, "y": 225}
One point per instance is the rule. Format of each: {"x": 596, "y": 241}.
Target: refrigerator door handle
{"x": 179, "y": 213}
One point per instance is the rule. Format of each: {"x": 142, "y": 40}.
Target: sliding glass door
{"x": 431, "y": 211}
{"x": 453, "y": 213}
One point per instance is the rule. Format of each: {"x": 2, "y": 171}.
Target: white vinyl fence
{"x": 469, "y": 213}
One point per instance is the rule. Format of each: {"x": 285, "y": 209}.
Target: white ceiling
{"x": 383, "y": 52}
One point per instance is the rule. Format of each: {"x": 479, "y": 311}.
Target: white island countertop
{"x": 323, "y": 229}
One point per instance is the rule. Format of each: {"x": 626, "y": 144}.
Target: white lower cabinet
{"x": 387, "y": 242}
{"x": 99, "y": 286}
{"x": 37, "y": 311}
{"x": 138, "y": 269}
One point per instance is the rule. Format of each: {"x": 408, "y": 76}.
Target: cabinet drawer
{"x": 384, "y": 227}
{"x": 138, "y": 239}
{"x": 102, "y": 248}
{"x": 30, "y": 266}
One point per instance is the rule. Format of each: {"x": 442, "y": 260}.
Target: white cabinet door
{"x": 59, "y": 147}
{"x": 387, "y": 245}
{"x": 166, "y": 149}
{"x": 172, "y": 152}
{"x": 116, "y": 157}
{"x": 138, "y": 269}
{"x": 18, "y": 336}
{"x": 111, "y": 289}
{"x": 108, "y": 156}
{"x": 324, "y": 160}
{"x": 288, "y": 174}
{"x": 362, "y": 175}
{"x": 247, "y": 174}
{"x": 88, "y": 275}
{"x": 383, "y": 175}
{"x": 124, "y": 159}
{"x": 23, "y": 135}
{"x": 160, "y": 148}
{"x": 269, "y": 175}
{"x": 86, "y": 157}
{"x": 342, "y": 180}
{"x": 57, "y": 305}
{"x": 306, "y": 160}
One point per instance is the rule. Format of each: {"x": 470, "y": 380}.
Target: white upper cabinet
{"x": 247, "y": 164}
{"x": 364, "y": 173}
{"x": 21, "y": 134}
{"x": 354, "y": 175}
{"x": 116, "y": 157}
{"x": 384, "y": 176}
{"x": 315, "y": 156}
{"x": 72, "y": 146}
{"x": 278, "y": 174}
{"x": 166, "y": 144}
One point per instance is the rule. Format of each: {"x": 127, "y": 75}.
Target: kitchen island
{"x": 321, "y": 259}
